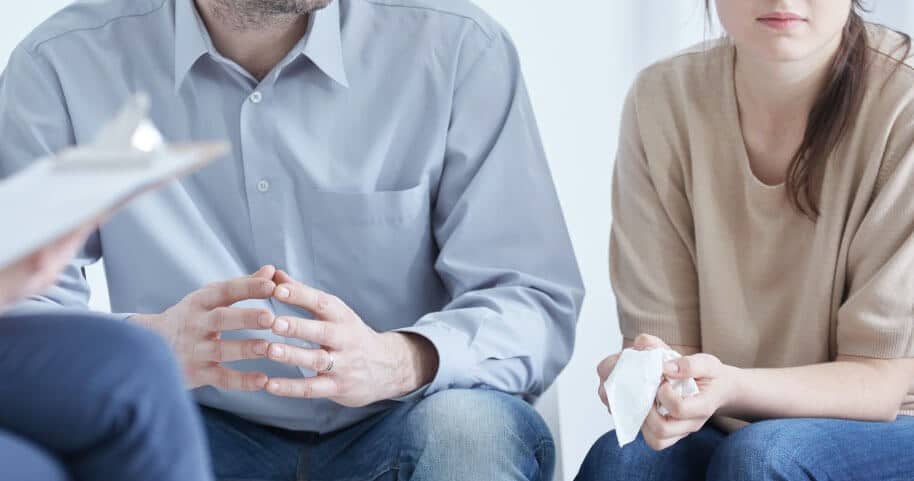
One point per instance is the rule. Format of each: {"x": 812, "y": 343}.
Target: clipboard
{"x": 58, "y": 194}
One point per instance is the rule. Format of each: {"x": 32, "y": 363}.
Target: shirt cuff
{"x": 413, "y": 396}
{"x": 454, "y": 360}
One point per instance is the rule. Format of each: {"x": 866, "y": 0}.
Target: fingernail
{"x": 282, "y": 292}
{"x": 265, "y": 320}
{"x": 260, "y": 349}
{"x": 276, "y": 351}
{"x": 281, "y": 325}
{"x": 273, "y": 386}
{"x": 671, "y": 367}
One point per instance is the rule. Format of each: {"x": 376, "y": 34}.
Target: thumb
{"x": 698, "y": 366}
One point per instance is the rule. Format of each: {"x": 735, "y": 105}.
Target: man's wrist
{"x": 417, "y": 362}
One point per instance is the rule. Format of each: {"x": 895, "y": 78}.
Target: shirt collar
{"x": 191, "y": 39}
{"x": 323, "y": 42}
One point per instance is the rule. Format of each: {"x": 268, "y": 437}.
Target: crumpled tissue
{"x": 632, "y": 389}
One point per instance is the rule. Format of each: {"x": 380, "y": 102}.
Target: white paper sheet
{"x": 632, "y": 389}
{"x": 56, "y": 195}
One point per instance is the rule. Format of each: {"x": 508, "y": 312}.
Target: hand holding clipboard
{"x": 57, "y": 202}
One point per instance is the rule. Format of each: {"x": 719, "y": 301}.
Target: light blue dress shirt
{"x": 392, "y": 158}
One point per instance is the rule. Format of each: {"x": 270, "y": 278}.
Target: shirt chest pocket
{"x": 370, "y": 248}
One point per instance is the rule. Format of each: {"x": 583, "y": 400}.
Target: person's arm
{"x": 849, "y": 388}
{"x": 505, "y": 253}
{"x": 875, "y": 333}
{"x": 504, "y": 256}
{"x": 652, "y": 244}
{"x": 34, "y": 123}
{"x": 874, "y": 369}
{"x": 36, "y": 272}
{"x": 652, "y": 249}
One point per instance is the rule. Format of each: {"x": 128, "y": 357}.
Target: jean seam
{"x": 541, "y": 450}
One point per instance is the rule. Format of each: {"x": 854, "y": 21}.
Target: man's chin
{"x": 315, "y": 5}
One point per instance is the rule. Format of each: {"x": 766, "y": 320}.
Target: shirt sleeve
{"x": 34, "y": 123}
{"x": 652, "y": 242}
{"x": 876, "y": 319}
{"x": 505, "y": 253}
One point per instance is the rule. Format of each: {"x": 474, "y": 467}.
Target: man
{"x": 386, "y": 161}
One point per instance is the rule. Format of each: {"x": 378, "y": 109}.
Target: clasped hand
{"x": 367, "y": 366}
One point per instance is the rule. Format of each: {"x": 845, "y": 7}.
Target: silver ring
{"x": 329, "y": 366}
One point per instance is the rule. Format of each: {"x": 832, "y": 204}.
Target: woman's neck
{"x": 775, "y": 92}
{"x": 775, "y": 99}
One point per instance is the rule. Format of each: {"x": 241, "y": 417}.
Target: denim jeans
{"x": 83, "y": 398}
{"x": 783, "y": 450}
{"x": 459, "y": 435}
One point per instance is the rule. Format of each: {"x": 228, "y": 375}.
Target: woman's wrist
{"x": 735, "y": 390}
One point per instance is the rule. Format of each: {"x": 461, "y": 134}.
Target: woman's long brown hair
{"x": 833, "y": 112}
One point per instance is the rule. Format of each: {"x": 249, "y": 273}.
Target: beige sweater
{"x": 704, "y": 254}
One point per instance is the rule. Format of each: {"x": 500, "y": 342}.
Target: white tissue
{"x": 632, "y": 388}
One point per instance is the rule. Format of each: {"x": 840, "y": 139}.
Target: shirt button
{"x": 256, "y": 97}
{"x": 263, "y": 185}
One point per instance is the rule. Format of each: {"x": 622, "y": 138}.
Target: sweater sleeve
{"x": 876, "y": 319}
{"x": 652, "y": 245}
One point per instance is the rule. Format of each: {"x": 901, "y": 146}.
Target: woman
{"x": 85, "y": 398}
{"x": 763, "y": 220}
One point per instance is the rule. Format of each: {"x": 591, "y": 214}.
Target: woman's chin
{"x": 782, "y": 50}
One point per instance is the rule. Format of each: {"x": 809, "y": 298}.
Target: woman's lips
{"x": 781, "y": 20}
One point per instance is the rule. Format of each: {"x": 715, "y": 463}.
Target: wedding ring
{"x": 329, "y": 366}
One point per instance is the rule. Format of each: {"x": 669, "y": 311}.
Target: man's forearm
{"x": 850, "y": 388}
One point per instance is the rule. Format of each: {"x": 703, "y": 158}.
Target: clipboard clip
{"x": 129, "y": 141}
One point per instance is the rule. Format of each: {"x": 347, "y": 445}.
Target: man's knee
{"x": 478, "y": 429}
{"x": 760, "y": 452}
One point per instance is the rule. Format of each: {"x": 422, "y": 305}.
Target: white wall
{"x": 579, "y": 57}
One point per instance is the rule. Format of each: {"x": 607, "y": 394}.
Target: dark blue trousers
{"x": 86, "y": 398}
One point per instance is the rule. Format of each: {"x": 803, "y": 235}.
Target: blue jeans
{"x": 454, "y": 435}
{"x": 83, "y": 398}
{"x": 783, "y": 450}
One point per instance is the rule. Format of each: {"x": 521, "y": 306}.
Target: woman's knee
{"x": 761, "y": 451}
{"x": 604, "y": 461}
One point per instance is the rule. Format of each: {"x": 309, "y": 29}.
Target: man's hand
{"x": 193, "y": 328}
{"x": 367, "y": 366}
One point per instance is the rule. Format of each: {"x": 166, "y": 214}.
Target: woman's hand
{"x": 35, "y": 273}
{"x": 716, "y": 385}
{"x": 605, "y": 368}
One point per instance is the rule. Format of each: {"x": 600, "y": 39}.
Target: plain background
{"x": 580, "y": 56}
